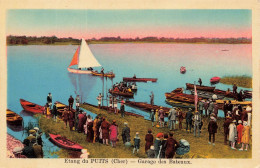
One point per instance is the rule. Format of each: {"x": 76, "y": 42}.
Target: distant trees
{"x": 23, "y": 40}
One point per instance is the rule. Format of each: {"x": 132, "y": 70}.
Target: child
{"x": 136, "y": 142}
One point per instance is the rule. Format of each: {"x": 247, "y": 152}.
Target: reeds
{"x": 242, "y": 81}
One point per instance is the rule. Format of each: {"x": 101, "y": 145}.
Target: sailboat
{"x": 83, "y": 58}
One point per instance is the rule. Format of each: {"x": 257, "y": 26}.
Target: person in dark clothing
{"x": 148, "y": 140}
{"x": 102, "y": 70}
{"x": 212, "y": 129}
{"x": 54, "y": 112}
{"x": 171, "y": 146}
{"x": 229, "y": 106}
{"x": 39, "y": 138}
{"x": 81, "y": 121}
{"x": 28, "y": 150}
{"x": 200, "y": 81}
{"x": 206, "y": 106}
{"x": 122, "y": 108}
{"x": 126, "y": 133}
{"x": 90, "y": 132}
{"x": 71, "y": 101}
{"x": 71, "y": 120}
{"x": 180, "y": 117}
{"x": 158, "y": 144}
{"x": 240, "y": 96}
{"x": 98, "y": 132}
{"x": 49, "y": 100}
{"x": 189, "y": 120}
{"x": 152, "y": 98}
{"x": 165, "y": 137}
{"x": 225, "y": 108}
{"x": 65, "y": 116}
{"x": 226, "y": 130}
{"x": 137, "y": 141}
{"x": 234, "y": 89}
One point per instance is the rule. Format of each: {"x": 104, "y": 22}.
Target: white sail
{"x": 86, "y": 58}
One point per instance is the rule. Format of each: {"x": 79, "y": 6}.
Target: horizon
{"x": 88, "y": 24}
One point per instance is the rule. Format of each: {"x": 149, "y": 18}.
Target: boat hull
{"x": 31, "y": 107}
{"x": 198, "y": 87}
{"x": 215, "y": 79}
{"x": 77, "y": 71}
{"x": 109, "y": 75}
{"x": 64, "y": 142}
{"x": 130, "y": 95}
{"x": 139, "y": 79}
{"x": 13, "y": 119}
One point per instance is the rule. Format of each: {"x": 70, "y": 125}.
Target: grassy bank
{"x": 242, "y": 81}
{"x": 199, "y": 146}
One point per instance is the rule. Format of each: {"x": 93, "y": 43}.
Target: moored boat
{"x": 61, "y": 107}
{"x": 182, "y": 70}
{"x": 13, "y": 119}
{"x": 139, "y": 79}
{"x": 109, "y": 74}
{"x": 63, "y": 142}
{"x": 242, "y": 103}
{"x": 198, "y": 87}
{"x": 31, "y": 107}
{"x": 215, "y": 79}
{"x": 124, "y": 94}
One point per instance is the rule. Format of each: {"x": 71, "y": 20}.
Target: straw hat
{"x": 234, "y": 121}
{"x": 212, "y": 118}
{"x": 248, "y": 108}
{"x": 239, "y": 121}
{"x": 125, "y": 123}
{"x": 36, "y": 128}
{"x": 17, "y": 150}
{"x": 137, "y": 133}
{"x": 152, "y": 147}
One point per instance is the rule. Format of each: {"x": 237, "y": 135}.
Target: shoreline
{"x": 241, "y": 81}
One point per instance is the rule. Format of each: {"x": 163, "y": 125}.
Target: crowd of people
{"x": 124, "y": 87}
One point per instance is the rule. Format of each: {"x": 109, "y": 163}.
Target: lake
{"x": 34, "y": 71}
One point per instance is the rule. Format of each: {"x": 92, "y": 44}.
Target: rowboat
{"x": 109, "y": 75}
{"x": 182, "y": 70}
{"x": 65, "y": 143}
{"x": 109, "y": 110}
{"x": 179, "y": 104}
{"x": 139, "y": 79}
{"x": 31, "y": 107}
{"x": 198, "y": 87}
{"x": 215, "y": 79}
{"x": 13, "y": 119}
{"x": 124, "y": 94}
{"x": 207, "y": 95}
{"x": 83, "y": 58}
{"x": 146, "y": 107}
{"x": 242, "y": 103}
{"x": 61, "y": 107}
{"x": 181, "y": 97}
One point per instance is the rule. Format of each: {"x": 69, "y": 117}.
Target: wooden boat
{"x": 109, "y": 75}
{"x": 31, "y": 107}
{"x": 60, "y": 107}
{"x": 139, "y": 79}
{"x": 207, "y": 95}
{"x": 145, "y": 106}
{"x": 215, "y": 79}
{"x": 180, "y": 104}
{"x": 198, "y": 87}
{"x": 224, "y": 93}
{"x": 13, "y": 119}
{"x": 242, "y": 103}
{"x": 182, "y": 70}
{"x": 83, "y": 58}
{"x": 124, "y": 94}
{"x": 64, "y": 142}
{"x": 181, "y": 97}
{"x": 112, "y": 111}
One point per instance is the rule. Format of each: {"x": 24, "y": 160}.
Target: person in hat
{"x": 122, "y": 108}
{"x": 47, "y": 110}
{"x": 125, "y": 133}
{"x": 165, "y": 137}
{"x": 245, "y": 136}
{"x": 99, "y": 98}
{"x": 158, "y": 144}
{"x": 84, "y": 154}
{"x": 232, "y": 134}
{"x": 234, "y": 89}
{"x": 90, "y": 131}
{"x": 65, "y": 117}
{"x": 189, "y": 119}
{"x": 77, "y": 102}
{"x": 172, "y": 118}
{"x": 239, "y": 131}
{"x": 55, "y": 112}
{"x": 39, "y": 138}
{"x": 152, "y": 98}
{"x": 200, "y": 106}
{"x": 113, "y": 129}
{"x": 71, "y": 101}
{"x": 161, "y": 114}
{"x": 81, "y": 122}
{"x": 115, "y": 104}
{"x": 137, "y": 141}
{"x": 28, "y": 150}
{"x": 71, "y": 120}
{"x": 110, "y": 102}
{"x": 37, "y": 149}
{"x": 249, "y": 115}
{"x": 151, "y": 152}
{"x": 180, "y": 115}
{"x": 171, "y": 146}
{"x": 148, "y": 140}
{"x": 156, "y": 116}
{"x": 212, "y": 129}
{"x": 49, "y": 100}
{"x": 226, "y": 129}
{"x": 206, "y": 106}
{"x": 197, "y": 122}
{"x": 105, "y": 130}
{"x": 17, "y": 151}
{"x": 200, "y": 81}
{"x": 211, "y": 107}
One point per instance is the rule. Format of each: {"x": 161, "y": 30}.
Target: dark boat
{"x": 13, "y": 119}
{"x": 124, "y": 94}
{"x": 145, "y": 106}
{"x": 64, "y": 142}
{"x": 198, "y": 87}
{"x": 112, "y": 111}
{"x": 183, "y": 70}
{"x": 139, "y": 79}
{"x": 31, "y": 107}
{"x": 109, "y": 75}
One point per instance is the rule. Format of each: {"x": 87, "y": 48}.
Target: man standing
{"x": 226, "y": 130}
{"x": 200, "y": 81}
{"x": 180, "y": 117}
{"x": 171, "y": 146}
{"x": 206, "y": 106}
{"x": 122, "y": 108}
{"x": 197, "y": 122}
{"x": 126, "y": 133}
{"x": 152, "y": 98}
{"x": 234, "y": 89}
{"x": 211, "y": 107}
{"x": 201, "y": 104}
{"x": 49, "y": 100}
{"x": 99, "y": 98}
{"x": 71, "y": 101}
{"x": 172, "y": 117}
{"x": 77, "y": 102}
{"x": 161, "y": 116}
{"x": 54, "y": 112}
{"x": 212, "y": 129}
{"x": 189, "y": 119}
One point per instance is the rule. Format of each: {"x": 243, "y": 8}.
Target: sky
{"x": 130, "y": 23}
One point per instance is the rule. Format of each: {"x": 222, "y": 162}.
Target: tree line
{"x": 27, "y": 40}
